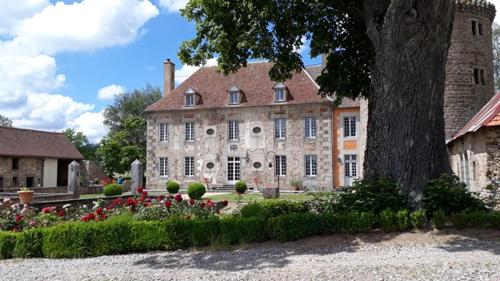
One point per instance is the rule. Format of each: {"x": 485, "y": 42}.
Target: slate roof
{"x": 253, "y": 81}
{"x": 489, "y": 115}
{"x": 15, "y": 142}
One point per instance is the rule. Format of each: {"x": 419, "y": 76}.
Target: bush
{"x": 172, "y": 187}
{"x": 241, "y": 187}
{"x": 7, "y": 244}
{"x": 372, "y": 194}
{"x": 112, "y": 190}
{"x": 272, "y": 208}
{"x": 196, "y": 190}
{"x": 387, "y": 220}
{"x": 238, "y": 230}
{"x": 439, "y": 219}
{"x": 294, "y": 226}
{"x": 322, "y": 202}
{"x": 448, "y": 194}
{"x": 418, "y": 219}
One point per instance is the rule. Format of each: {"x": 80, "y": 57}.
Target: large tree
{"x": 5, "y": 121}
{"x": 496, "y": 53}
{"x": 81, "y": 142}
{"x": 392, "y": 52}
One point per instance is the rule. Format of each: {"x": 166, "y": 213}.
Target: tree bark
{"x": 406, "y": 138}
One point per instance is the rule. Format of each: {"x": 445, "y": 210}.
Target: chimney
{"x": 169, "y": 77}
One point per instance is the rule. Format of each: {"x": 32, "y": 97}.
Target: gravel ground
{"x": 472, "y": 255}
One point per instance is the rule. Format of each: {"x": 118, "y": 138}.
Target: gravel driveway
{"x": 410, "y": 256}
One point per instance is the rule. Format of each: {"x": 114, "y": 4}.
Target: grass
{"x": 233, "y": 197}
{"x": 98, "y": 195}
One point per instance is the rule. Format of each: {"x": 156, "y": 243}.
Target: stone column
{"x": 74, "y": 179}
{"x": 137, "y": 176}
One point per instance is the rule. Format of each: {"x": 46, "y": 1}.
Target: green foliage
{"x": 448, "y": 194}
{"x": 112, "y": 189}
{"x": 238, "y": 230}
{"x": 322, "y": 202}
{"x": 5, "y": 121}
{"x": 274, "y": 30}
{"x": 372, "y": 194}
{"x": 172, "y": 187}
{"x": 387, "y": 219}
{"x": 272, "y": 208}
{"x": 476, "y": 219}
{"x": 492, "y": 199}
{"x": 153, "y": 213}
{"x": 81, "y": 142}
{"x": 241, "y": 187}
{"x": 7, "y": 244}
{"x": 418, "y": 219}
{"x": 439, "y": 219}
{"x": 196, "y": 190}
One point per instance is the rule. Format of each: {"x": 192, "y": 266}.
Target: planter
{"x": 25, "y": 197}
{"x": 296, "y": 188}
{"x": 269, "y": 193}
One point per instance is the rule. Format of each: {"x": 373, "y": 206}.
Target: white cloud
{"x": 32, "y": 32}
{"x": 109, "y": 92}
{"x": 173, "y": 5}
{"x": 187, "y": 70}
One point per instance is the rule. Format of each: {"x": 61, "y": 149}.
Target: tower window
{"x": 479, "y": 76}
{"x": 15, "y": 163}
{"x": 474, "y": 27}
{"x": 477, "y": 28}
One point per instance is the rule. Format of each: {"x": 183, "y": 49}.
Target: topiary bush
{"x": 196, "y": 190}
{"x": 112, "y": 190}
{"x": 172, "y": 187}
{"x": 241, "y": 187}
{"x": 448, "y": 194}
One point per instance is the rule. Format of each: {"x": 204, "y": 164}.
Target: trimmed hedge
{"x": 172, "y": 187}
{"x": 272, "y": 208}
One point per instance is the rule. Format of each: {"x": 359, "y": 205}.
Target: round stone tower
{"x": 469, "y": 70}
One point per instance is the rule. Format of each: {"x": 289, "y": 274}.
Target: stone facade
{"x": 254, "y": 150}
{"x": 475, "y": 157}
{"x": 27, "y": 168}
{"x": 468, "y": 51}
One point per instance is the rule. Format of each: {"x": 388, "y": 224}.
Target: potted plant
{"x": 25, "y": 195}
{"x": 296, "y": 184}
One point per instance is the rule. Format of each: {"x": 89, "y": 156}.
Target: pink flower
{"x": 61, "y": 213}
{"x": 32, "y": 223}
{"x": 48, "y": 210}
{"x": 202, "y": 205}
{"x": 168, "y": 203}
{"x": 178, "y": 198}
{"x": 191, "y": 201}
{"x": 19, "y": 217}
{"x": 210, "y": 203}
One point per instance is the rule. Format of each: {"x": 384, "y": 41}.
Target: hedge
{"x": 124, "y": 234}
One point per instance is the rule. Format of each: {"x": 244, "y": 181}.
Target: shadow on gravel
{"x": 470, "y": 240}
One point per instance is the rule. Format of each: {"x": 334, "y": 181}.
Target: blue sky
{"x": 62, "y": 62}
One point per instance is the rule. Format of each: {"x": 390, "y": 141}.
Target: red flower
{"x": 178, "y": 198}
{"x": 61, "y": 213}
{"x": 191, "y": 201}
{"x": 142, "y": 198}
{"x": 202, "y": 205}
{"x": 131, "y": 202}
{"x": 210, "y": 203}
{"x": 19, "y": 217}
{"x": 168, "y": 203}
{"x": 48, "y": 210}
{"x": 99, "y": 211}
{"x": 159, "y": 198}
{"x": 88, "y": 217}
{"x": 145, "y": 193}
{"x": 225, "y": 203}
{"x": 103, "y": 216}
{"x": 140, "y": 189}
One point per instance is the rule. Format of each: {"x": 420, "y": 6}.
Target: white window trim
{"x": 309, "y": 125}
{"x": 193, "y": 99}
{"x": 165, "y": 166}
{"x": 233, "y": 131}
{"x": 238, "y": 98}
{"x": 313, "y": 172}
{"x": 282, "y": 163}
{"x": 160, "y": 131}
{"x": 356, "y": 133}
{"x": 191, "y": 166}
{"x": 190, "y": 132}
{"x": 351, "y": 163}
{"x": 281, "y": 128}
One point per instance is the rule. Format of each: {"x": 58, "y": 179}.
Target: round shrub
{"x": 172, "y": 187}
{"x": 241, "y": 187}
{"x": 196, "y": 190}
{"x": 113, "y": 189}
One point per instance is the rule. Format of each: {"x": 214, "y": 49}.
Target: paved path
{"x": 417, "y": 256}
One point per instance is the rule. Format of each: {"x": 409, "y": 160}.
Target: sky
{"x": 62, "y": 62}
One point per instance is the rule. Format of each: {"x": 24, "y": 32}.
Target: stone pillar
{"x": 74, "y": 179}
{"x": 137, "y": 176}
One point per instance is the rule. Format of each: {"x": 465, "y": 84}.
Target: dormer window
{"x": 234, "y": 95}
{"x": 279, "y": 92}
{"x": 190, "y": 96}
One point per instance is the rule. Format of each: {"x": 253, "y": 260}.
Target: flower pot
{"x": 296, "y": 188}
{"x": 25, "y": 197}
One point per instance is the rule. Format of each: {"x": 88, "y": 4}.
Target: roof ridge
{"x": 32, "y": 130}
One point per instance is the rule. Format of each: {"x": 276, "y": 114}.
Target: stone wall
{"x": 463, "y": 98}
{"x": 493, "y": 151}
{"x": 28, "y": 167}
{"x": 251, "y": 147}
{"x": 363, "y": 121}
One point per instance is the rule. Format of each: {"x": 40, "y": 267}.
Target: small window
{"x": 189, "y": 131}
{"x": 257, "y": 165}
{"x": 349, "y": 126}
{"x": 234, "y": 97}
{"x": 474, "y": 27}
{"x": 310, "y": 127}
{"x": 279, "y": 95}
{"x": 479, "y": 76}
{"x": 15, "y": 163}
{"x": 280, "y": 128}
{"x": 210, "y": 132}
{"x": 163, "y": 167}
{"x": 233, "y": 130}
{"x": 15, "y": 182}
{"x": 30, "y": 182}
{"x": 351, "y": 165}
{"x": 280, "y": 169}
{"x": 474, "y": 171}
{"x": 480, "y": 28}
{"x": 210, "y": 165}
{"x": 190, "y": 100}
{"x": 311, "y": 165}
{"x": 163, "y": 132}
{"x": 256, "y": 130}
{"x": 189, "y": 166}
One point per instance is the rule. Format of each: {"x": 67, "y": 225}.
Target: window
{"x": 474, "y": 27}
{"x": 257, "y": 130}
{"x": 15, "y": 163}
{"x": 480, "y": 28}
{"x": 351, "y": 167}
{"x": 210, "y": 132}
{"x": 163, "y": 167}
{"x": 257, "y": 165}
{"x": 30, "y": 182}
{"x": 163, "y": 132}
{"x": 479, "y": 76}
{"x": 189, "y": 166}
{"x": 210, "y": 165}
{"x": 350, "y": 126}
{"x": 280, "y": 128}
{"x": 279, "y": 95}
{"x": 477, "y": 28}
{"x": 190, "y": 100}
{"x": 310, "y": 127}
{"x": 311, "y": 165}
{"x": 14, "y": 181}
{"x": 234, "y": 97}
{"x": 280, "y": 165}
{"x": 233, "y": 130}
{"x": 189, "y": 131}
{"x": 474, "y": 172}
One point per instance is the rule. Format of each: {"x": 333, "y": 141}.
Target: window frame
{"x": 189, "y": 131}
{"x": 190, "y": 100}
{"x": 189, "y": 166}
{"x": 280, "y": 168}
{"x": 163, "y": 167}
{"x": 233, "y": 130}
{"x": 236, "y": 95}
{"x": 163, "y": 135}
{"x": 310, "y": 127}
{"x": 351, "y": 131}
{"x": 280, "y": 128}
{"x": 350, "y": 162}
{"x": 311, "y": 165}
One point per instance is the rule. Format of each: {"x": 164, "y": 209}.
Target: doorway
{"x": 233, "y": 170}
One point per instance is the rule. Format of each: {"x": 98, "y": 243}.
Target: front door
{"x": 233, "y": 170}
{"x": 350, "y": 168}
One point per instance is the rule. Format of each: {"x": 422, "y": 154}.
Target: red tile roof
{"x": 16, "y": 142}
{"x": 253, "y": 81}
{"x": 489, "y": 115}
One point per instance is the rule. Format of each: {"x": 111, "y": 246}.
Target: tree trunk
{"x": 406, "y": 138}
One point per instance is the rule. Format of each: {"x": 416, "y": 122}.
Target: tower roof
{"x": 477, "y": 5}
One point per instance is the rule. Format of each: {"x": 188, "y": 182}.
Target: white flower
{"x": 66, "y": 206}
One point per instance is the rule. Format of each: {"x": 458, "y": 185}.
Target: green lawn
{"x": 233, "y": 197}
